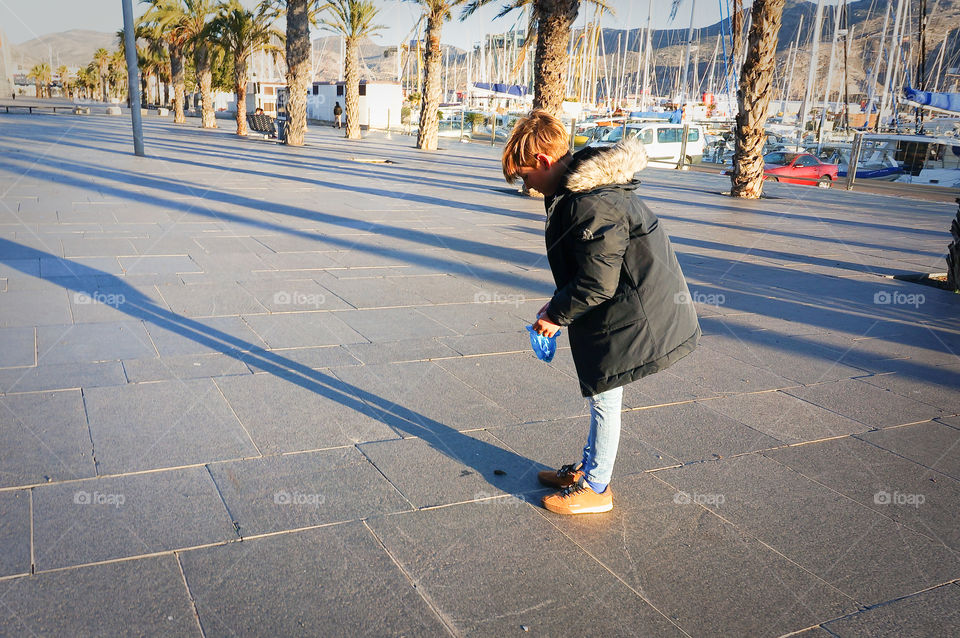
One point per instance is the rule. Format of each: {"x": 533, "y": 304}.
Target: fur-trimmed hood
{"x": 617, "y": 164}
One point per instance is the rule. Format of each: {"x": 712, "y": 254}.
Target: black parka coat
{"x": 619, "y": 285}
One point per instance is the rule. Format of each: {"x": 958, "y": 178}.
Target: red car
{"x": 798, "y": 168}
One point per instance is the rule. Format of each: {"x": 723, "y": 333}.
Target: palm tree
{"x": 298, "y": 68}
{"x": 239, "y": 31}
{"x": 554, "y": 19}
{"x": 62, "y": 73}
{"x": 117, "y": 70}
{"x": 40, "y": 74}
{"x": 353, "y": 19}
{"x": 753, "y": 97}
{"x": 436, "y": 12}
{"x": 185, "y": 27}
{"x": 101, "y": 57}
{"x": 168, "y": 19}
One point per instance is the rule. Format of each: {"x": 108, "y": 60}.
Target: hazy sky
{"x": 24, "y": 20}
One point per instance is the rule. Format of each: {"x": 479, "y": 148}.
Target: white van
{"x": 662, "y": 141}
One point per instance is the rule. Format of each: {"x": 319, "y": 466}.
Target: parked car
{"x": 798, "y": 168}
{"x": 663, "y": 141}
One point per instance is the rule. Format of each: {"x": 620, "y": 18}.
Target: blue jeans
{"x": 601, "y": 449}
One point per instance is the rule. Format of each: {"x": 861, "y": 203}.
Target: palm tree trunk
{"x": 555, "y": 19}
{"x": 427, "y": 135}
{"x": 205, "y": 76}
{"x": 298, "y": 70}
{"x": 240, "y": 89}
{"x": 177, "y": 75}
{"x": 351, "y": 93}
{"x": 753, "y": 97}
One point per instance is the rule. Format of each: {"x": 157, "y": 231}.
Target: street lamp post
{"x": 133, "y": 77}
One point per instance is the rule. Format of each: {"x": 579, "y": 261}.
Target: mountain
{"x": 70, "y": 48}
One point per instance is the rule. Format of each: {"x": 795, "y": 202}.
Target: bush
{"x": 405, "y": 114}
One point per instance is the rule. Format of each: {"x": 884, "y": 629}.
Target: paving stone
{"x": 521, "y": 384}
{"x": 931, "y": 444}
{"x": 33, "y": 308}
{"x": 294, "y": 295}
{"x": 401, "y": 350}
{"x": 99, "y": 519}
{"x": 303, "y": 329}
{"x": 458, "y": 558}
{"x": 210, "y": 300}
{"x": 862, "y": 553}
{"x": 371, "y": 293}
{"x": 19, "y": 347}
{"x": 14, "y": 535}
{"x": 390, "y": 324}
{"x": 935, "y": 612}
{"x": 784, "y": 417}
{"x": 91, "y": 342}
{"x": 61, "y": 377}
{"x": 96, "y": 247}
{"x": 780, "y": 355}
{"x": 100, "y": 601}
{"x": 335, "y": 580}
{"x": 175, "y": 335}
{"x": 407, "y": 394}
{"x": 866, "y": 403}
{"x": 44, "y": 437}
{"x": 165, "y": 424}
{"x": 693, "y": 432}
{"x": 183, "y": 367}
{"x": 285, "y": 492}
{"x": 662, "y": 388}
{"x": 452, "y": 467}
{"x": 493, "y": 343}
{"x": 294, "y": 359}
{"x": 725, "y": 375}
{"x": 303, "y": 411}
{"x": 696, "y": 567}
{"x": 53, "y": 267}
{"x": 938, "y": 388}
{"x": 892, "y": 486}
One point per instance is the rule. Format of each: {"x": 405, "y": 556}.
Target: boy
{"x": 620, "y": 290}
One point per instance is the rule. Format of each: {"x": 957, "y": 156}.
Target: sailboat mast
{"x": 646, "y": 61}
{"x": 826, "y": 90}
{"x": 685, "y": 72}
{"x": 792, "y": 62}
{"x": 812, "y": 71}
{"x": 875, "y": 71}
{"x": 892, "y": 62}
{"x": 921, "y": 62}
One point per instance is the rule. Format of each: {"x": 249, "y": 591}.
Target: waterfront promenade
{"x": 252, "y": 390}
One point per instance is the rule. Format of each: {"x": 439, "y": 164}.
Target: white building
{"x": 380, "y": 103}
{"x": 6, "y": 71}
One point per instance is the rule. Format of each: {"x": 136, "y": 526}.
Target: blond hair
{"x": 536, "y": 133}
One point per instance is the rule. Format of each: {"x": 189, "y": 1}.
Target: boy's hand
{"x": 545, "y": 327}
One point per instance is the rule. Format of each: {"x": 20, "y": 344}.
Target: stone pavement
{"x": 250, "y": 390}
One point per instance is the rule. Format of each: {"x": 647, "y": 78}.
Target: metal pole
{"x": 133, "y": 81}
{"x": 854, "y": 160}
{"x": 681, "y": 163}
{"x": 573, "y": 133}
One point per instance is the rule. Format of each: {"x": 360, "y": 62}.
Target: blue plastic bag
{"x": 543, "y": 347}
